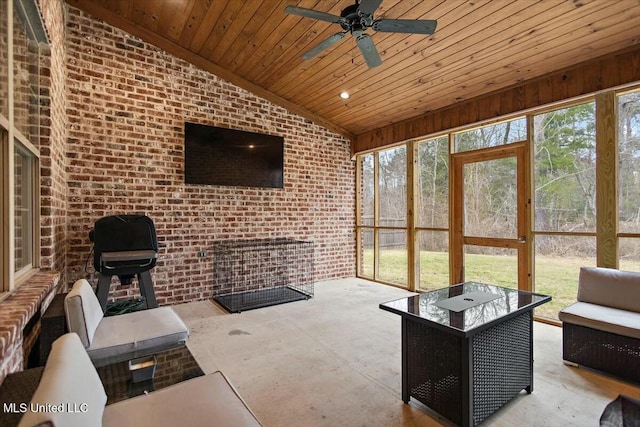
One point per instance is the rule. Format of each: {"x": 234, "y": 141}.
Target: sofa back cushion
{"x": 70, "y": 384}
{"x": 83, "y": 311}
{"x": 610, "y": 287}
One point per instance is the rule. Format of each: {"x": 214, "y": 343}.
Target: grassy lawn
{"x": 555, "y": 276}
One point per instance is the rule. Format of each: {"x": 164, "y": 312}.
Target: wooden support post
{"x": 606, "y": 180}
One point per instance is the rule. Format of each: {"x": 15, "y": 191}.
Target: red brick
{"x": 141, "y": 102}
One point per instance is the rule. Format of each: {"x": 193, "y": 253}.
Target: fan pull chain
{"x": 353, "y": 47}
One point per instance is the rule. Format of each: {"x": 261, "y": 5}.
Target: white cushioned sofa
{"x": 114, "y": 339}
{"x": 71, "y": 385}
{"x": 602, "y": 329}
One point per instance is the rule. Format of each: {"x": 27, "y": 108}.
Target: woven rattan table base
{"x": 467, "y": 379}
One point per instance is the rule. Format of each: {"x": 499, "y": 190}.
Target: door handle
{"x": 522, "y": 239}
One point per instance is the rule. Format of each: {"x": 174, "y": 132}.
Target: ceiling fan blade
{"x": 368, "y": 50}
{"x": 313, "y": 14}
{"x": 426, "y": 26}
{"x": 367, "y": 7}
{"x": 323, "y": 45}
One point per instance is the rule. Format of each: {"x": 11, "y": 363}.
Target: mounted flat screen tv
{"x": 221, "y": 156}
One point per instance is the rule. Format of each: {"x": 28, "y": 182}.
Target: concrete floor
{"x": 334, "y": 360}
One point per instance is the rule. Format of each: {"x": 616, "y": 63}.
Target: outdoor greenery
{"x": 564, "y": 201}
{"x": 433, "y": 183}
{"x": 555, "y": 276}
{"x": 629, "y": 163}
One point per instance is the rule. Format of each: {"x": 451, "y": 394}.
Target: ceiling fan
{"x": 356, "y": 19}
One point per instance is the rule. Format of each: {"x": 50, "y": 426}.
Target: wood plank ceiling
{"x": 480, "y": 46}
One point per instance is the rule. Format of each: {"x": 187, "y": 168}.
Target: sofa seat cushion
{"x": 71, "y": 385}
{"x": 136, "y": 334}
{"x": 206, "y": 400}
{"x": 607, "y": 319}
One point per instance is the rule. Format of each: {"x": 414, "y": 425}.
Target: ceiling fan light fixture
{"x": 344, "y": 95}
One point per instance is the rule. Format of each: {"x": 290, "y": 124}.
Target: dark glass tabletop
{"x": 172, "y": 366}
{"x": 465, "y": 307}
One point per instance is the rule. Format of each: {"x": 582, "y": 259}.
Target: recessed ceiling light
{"x": 344, "y": 95}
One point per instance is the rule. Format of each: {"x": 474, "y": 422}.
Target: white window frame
{"x": 10, "y": 138}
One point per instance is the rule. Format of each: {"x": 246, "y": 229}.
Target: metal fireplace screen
{"x": 251, "y": 274}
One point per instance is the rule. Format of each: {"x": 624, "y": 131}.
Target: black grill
{"x": 124, "y": 236}
{"x": 125, "y": 246}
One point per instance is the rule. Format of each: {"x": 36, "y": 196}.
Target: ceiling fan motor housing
{"x": 354, "y": 20}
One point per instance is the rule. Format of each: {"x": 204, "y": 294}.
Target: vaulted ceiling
{"x": 479, "y": 47}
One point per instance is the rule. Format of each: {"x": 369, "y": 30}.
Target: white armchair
{"x": 117, "y": 338}
{"x": 71, "y": 384}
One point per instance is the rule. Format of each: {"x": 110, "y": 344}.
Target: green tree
{"x": 564, "y": 152}
{"x": 392, "y": 181}
{"x": 629, "y": 161}
{"x": 433, "y": 183}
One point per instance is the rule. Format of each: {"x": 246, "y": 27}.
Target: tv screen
{"x": 221, "y": 156}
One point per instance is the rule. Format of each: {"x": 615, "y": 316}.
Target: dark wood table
{"x": 466, "y": 349}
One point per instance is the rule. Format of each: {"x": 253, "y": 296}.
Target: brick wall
{"x": 20, "y": 320}
{"x": 127, "y": 103}
{"x": 53, "y": 140}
